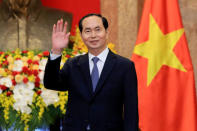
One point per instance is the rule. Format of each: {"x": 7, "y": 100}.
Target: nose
{"x": 93, "y": 34}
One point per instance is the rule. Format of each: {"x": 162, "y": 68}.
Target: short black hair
{"x": 104, "y": 20}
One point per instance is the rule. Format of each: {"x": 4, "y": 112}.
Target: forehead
{"x": 92, "y": 22}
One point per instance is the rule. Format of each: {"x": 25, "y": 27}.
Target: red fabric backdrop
{"x": 78, "y": 8}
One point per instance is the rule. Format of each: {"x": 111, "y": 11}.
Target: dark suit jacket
{"x": 112, "y": 107}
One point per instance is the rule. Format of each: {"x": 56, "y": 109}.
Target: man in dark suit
{"x": 102, "y": 86}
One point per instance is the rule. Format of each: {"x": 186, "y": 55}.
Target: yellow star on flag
{"x": 159, "y": 50}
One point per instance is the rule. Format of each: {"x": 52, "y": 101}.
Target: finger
{"x": 68, "y": 34}
{"x": 61, "y": 25}
{"x": 58, "y": 26}
{"x": 65, "y": 27}
{"x": 54, "y": 29}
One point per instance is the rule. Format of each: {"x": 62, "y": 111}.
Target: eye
{"x": 98, "y": 29}
{"x": 87, "y": 31}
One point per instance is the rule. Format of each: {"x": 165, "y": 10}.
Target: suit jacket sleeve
{"x": 54, "y": 78}
{"x": 130, "y": 99}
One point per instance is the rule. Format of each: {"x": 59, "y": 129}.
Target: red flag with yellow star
{"x": 166, "y": 87}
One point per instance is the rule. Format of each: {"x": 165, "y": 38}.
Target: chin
{"x": 94, "y": 46}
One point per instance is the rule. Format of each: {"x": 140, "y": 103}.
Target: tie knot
{"x": 95, "y": 60}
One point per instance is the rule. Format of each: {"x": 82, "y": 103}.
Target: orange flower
{"x": 18, "y": 78}
{"x": 2, "y": 71}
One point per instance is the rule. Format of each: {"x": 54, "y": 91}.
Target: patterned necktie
{"x": 95, "y": 73}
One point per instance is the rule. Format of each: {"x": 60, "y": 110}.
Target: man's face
{"x": 94, "y": 34}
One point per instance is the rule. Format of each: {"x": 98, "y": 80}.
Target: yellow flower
{"x": 18, "y": 78}
{"x": 10, "y": 59}
{"x": 11, "y": 77}
{"x": 41, "y": 86}
{"x": 30, "y": 54}
{"x": 17, "y": 51}
{"x": 40, "y": 103}
{"x": 31, "y": 78}
{"x": 6, "y": 103}
{"x": 112, "y": 47}
{"x": 2, "y": 72}
{"x": 24, "y": 59}
{"x": 36, "y": 58}
{"x": 25, "y": 118}
{"x": 25, "y": 64}
{"x": 17, "y": 56}
{"x": 10, "y": 66}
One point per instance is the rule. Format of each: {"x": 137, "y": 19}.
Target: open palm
{"x": 60, "y": 38}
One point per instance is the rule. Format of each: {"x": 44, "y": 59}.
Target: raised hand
{"x": 60, "y": 38}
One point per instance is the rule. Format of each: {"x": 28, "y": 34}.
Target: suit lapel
{"x": 83, "y": 63}
{"x": 108, "y": 66}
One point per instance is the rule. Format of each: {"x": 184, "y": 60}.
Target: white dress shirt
{"x": 102, "y": 57}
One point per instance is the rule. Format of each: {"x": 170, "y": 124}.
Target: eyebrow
{"x": 88, "y": 28}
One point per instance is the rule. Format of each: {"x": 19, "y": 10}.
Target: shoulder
{"x": 123, "y": 61}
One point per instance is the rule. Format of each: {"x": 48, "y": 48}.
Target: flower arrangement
{"x": 24, "y": 102}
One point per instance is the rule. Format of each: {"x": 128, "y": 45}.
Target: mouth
{"x": 94, "y": 41}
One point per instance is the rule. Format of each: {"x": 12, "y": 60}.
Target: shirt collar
{"x": 102, "y": 56}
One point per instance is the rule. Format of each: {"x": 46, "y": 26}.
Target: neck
{"x": 96, "y": 52}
